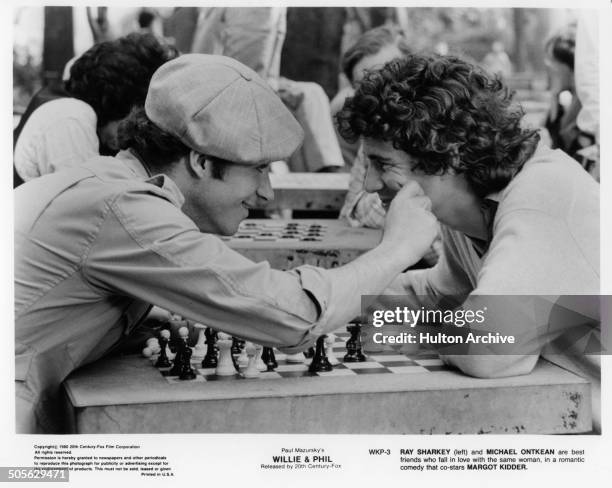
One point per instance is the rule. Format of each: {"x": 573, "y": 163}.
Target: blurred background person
{"x": 371, "y": 51}
{"x": 497, "y": 61}
{"x": 81, "y": 122}
{"x": 255, "y": 36}
{"x": 561, "y": 121}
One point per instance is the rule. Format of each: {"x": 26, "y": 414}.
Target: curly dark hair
{"x": 159, "y": 149}
{"x": 446, "y": 113}
{"x": 113, "y": 76}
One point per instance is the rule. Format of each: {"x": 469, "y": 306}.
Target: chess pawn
{"x": 225, "y": 365}
{"x": 330, "y": 340}
{"x": 199, "y": 350}
{"x": 163, "y": 361}
{"x": 253, "y": 351}
{"x": 243, "y": 358}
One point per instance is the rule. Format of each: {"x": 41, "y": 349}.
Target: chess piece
{"x": 199, "y": 350}
{"x": 186, "y": 371}
{"x": 225, "y": 364}
{"x": 320, "y": 361}
{"x": 296, "y": 358}
{"x": 152, "y": 347}
{"x": 354, "y": 353}
{"x": 180, "y": 359}
{"x": 243, "y": 357}
{"x": 210, "y": 360}
{"x": 236, "y": 346}
{"x": 330, "y": 339}
{"x": 163, "y": 361}
{"x": 261, "y": 366}
{"x": 253, "y": 351}
{"x": 267, "y": 356}
{"x": 359, "y": 356}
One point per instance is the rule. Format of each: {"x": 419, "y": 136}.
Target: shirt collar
{"x": 138, "y": 167}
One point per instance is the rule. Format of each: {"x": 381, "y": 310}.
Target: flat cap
{"x": 219, "y": 107}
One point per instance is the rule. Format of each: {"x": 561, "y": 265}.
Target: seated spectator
{"x": 68, "y": 128}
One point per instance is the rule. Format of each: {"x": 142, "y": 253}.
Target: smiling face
{"x": 389, "y": 169}
{"x": 218, "y": 205}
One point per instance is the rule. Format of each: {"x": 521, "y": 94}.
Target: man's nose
{"x": 265, "y": 191}
{"x": 373, "y": 181}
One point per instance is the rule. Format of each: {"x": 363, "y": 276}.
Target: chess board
{"x": 389, "y": 361}
{"x": 276, "y": 230}
{"x": 286, "y": 244}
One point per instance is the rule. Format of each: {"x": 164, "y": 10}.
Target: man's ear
{"x": 197, "y": 164}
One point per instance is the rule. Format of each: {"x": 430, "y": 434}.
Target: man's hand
{"x": 409, "y": 224}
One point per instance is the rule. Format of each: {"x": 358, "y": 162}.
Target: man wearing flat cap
{"x": 96, "y": 245}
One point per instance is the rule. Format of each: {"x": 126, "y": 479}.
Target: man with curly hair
{"x": 517, "y": 218}
{"x": 104, "y": 84}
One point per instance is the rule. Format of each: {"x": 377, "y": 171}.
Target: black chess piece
{"x": 186, "y": 371}
{"x": 354, "y": 352}
{"x": 236, "y": 345}
{"x": 320, "y": 361}
{"x": 162, "y": 360}
{"x": 309, "y": 353}
{"x": 179, "y": 358}
{"x": 359, "y": 356}
{"x": 211, "y": 359}
{"x": 267, "y": 356}
{"x": 351, "y": 346}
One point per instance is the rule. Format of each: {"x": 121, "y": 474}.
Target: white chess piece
{"x": 261, "y": 366}
{"x": 165, "y": 333}
{"x": 152, "y": 347}
{"x": 243, "y": 358}
{"x": 252, "y": 351}
{"x": 329, "y": 349}
{"x": 225, "y": 364}
{"x": 296, "y": 358}
{"x": 199, "y": 350}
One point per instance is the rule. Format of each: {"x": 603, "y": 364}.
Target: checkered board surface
{"x": 385, "y": 362}
{"x": 274, "y": 231}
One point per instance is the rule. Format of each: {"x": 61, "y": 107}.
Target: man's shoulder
{"x": 64, "y": 109}
{"x": 551, "y": 181}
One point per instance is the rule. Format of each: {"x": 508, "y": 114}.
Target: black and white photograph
{"x": 362, "y": 237}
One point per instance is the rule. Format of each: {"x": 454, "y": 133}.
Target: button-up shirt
{"x": 97, "y": 244}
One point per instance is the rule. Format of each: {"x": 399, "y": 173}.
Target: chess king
{"x": 517, "y": 218}
{"x": 98, "y": 244}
